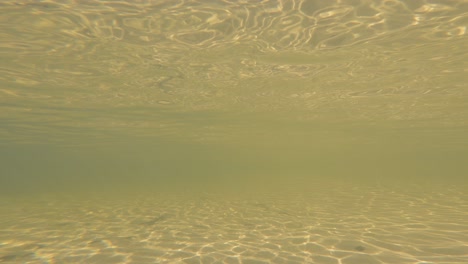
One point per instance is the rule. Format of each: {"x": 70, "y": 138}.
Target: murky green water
{"x": 234, "y": 131}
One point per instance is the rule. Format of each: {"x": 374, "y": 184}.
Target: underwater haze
{"x": 232, "y": 131}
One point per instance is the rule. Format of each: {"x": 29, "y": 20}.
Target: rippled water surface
{"x": 281, "y": 131}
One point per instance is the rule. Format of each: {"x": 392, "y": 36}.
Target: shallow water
{"x": 233, "y": 131}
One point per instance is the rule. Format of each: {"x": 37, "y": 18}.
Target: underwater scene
{"x": 234, "y": 131}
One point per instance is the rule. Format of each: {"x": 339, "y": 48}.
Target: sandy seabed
{"x": 328, "y": 224}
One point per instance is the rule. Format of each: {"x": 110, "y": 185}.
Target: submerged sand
{"x": 338, "y": 224}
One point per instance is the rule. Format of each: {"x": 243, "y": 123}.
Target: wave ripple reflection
{"x": 346, "y": 60}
